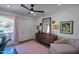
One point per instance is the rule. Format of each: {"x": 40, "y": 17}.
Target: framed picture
{"x": 66, "y": 27}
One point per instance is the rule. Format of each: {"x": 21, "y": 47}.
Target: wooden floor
{"x": 31, "y": 47}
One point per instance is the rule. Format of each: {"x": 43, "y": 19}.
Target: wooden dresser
{"x": 45, "y": 38}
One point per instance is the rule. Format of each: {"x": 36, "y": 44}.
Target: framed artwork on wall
{"x": 66, "y": 27}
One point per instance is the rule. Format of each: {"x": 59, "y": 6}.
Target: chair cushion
{"x": 62, "y": 48}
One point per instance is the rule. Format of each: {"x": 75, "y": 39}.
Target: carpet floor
{"x": 31, "y": 47}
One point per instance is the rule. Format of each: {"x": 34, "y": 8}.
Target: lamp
{"x": 54, "y": 26}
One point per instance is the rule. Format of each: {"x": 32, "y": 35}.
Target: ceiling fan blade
{"x": 32, "y": 5}
{"x": 38, "y": 11}
{"x": 24, "y": 6}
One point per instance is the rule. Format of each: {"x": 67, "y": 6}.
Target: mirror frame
{"x": 50, "y": 23}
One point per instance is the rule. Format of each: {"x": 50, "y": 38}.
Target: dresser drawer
{"x": 46, "y": 38}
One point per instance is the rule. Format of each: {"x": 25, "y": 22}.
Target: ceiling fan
{"x": 32, "y": 9}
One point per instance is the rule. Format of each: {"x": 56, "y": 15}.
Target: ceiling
{"x": 16, "y": 9}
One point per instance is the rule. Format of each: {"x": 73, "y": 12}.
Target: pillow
{"x": 62, "y": 41}
{"x": 75, "y": 43}
{"x": 62, "y": 48}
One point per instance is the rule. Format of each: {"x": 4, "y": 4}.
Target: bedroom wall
{"x": 66, "y": 14}
{"x": 26, "y": 28}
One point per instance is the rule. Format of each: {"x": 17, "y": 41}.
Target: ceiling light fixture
{"x": 58, "y": 4}
{"x": 31, "y": 12}
{"x": 8, "y": 5}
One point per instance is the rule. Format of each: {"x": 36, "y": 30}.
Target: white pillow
{"x": 62, "y": 41}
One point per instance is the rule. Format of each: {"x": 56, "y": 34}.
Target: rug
{"x": 10, "y": 50}
{"x": 31, "y": 47}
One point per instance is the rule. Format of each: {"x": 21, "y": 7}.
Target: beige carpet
{"x": 31, "y": 47}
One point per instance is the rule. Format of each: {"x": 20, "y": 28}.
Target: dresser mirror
{"x": 46, "y": 25}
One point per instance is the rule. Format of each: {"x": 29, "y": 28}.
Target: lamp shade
{"x": 54, "y": 26}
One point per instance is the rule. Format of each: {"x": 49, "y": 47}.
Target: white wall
{"x": 67, "y": 14}
{"x": 26, "y": 28}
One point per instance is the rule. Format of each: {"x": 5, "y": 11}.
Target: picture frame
{"x": 66, "y": 27}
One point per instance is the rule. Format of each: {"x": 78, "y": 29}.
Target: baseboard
{"x": 25, "y": 41}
